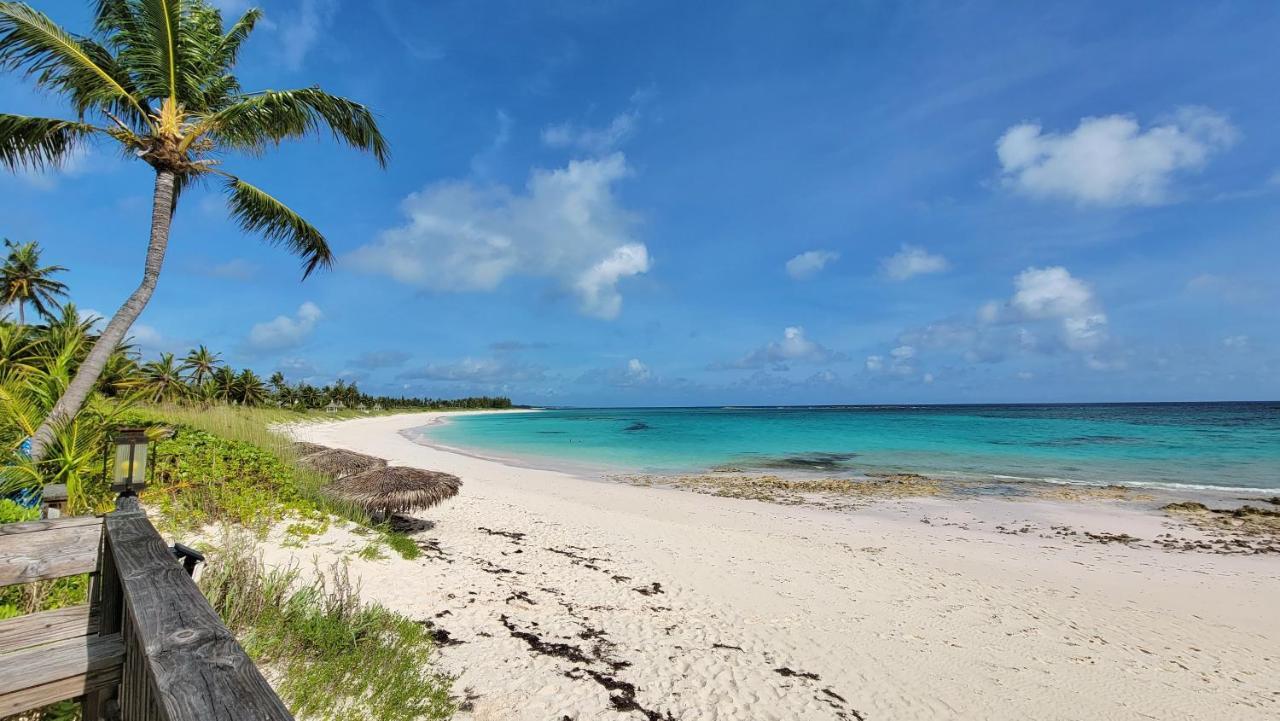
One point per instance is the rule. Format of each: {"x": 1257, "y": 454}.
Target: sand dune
{"x": 557, "y": 597}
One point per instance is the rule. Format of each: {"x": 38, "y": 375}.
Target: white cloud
{"x": 1111, "y": 160}
{"x": 598, "y": 286}
{"x": 593, "y": 140}
{"x": 637, "y": 370}
{"x": 1236, "y": 342}
{"x": 810, "y": 263}
{"x": 567, "y": 225}
{"x": 600, "y": 140}
{"x": 794, "y": 347}
{"x": 1050, "y": 311}
{"x": 911, "y": 261}
{"x": 285, "y": 332}
{"x": 1054, "y": 294}
{"x": 927, "y": 378}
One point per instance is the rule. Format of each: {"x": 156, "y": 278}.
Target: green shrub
{"x": 335, "y": 658}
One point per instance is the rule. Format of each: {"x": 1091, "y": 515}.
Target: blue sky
{"x": 643, "y": 203}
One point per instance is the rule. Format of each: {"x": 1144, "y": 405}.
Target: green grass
{"x": 224, "y": 464}
{"x": 333, "y": 658}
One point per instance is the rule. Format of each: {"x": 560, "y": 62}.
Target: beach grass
{"x": 329, "y": 655}
{"x": 226, "y": 464}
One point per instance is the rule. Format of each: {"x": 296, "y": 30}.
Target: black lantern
{"x": 127, "y": 460}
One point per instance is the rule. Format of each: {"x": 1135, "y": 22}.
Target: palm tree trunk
{"x": 87, "y": 374}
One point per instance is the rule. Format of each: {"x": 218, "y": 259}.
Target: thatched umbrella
{"x": 395, "y": 489}
{"x": 305, "y": 449}
{"x": 339, "y": 463}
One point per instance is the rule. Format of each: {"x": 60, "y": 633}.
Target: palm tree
{"x": 162, "y": 380}
{"x": 222, "y": 386}
{"x": 200, "y": 363}
{"x": 155, "y": 77}
{"x": 250, "y": 390}
{"x": 23, "y": 280}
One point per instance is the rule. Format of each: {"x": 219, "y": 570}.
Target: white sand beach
{"x": 565, "y": 598}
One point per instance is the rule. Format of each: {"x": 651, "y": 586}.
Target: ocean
{"x": 1222, "y": 446}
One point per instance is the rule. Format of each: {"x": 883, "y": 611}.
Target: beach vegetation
{"x": 24, "y": 281}
{"x": 156, "y": 79}
{"x": 330, "y": 656}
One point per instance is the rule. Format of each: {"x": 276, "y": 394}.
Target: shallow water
{"x": 1175, "y": 445}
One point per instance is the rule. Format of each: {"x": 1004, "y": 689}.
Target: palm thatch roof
{"x": 304, "y": 448}
{"x": 339, "y": 463}
{"x": 396, "y": 489}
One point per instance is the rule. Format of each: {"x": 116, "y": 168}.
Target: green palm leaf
{"x": 276, "y": 115}
{"x": 38, "y": 143}
{"x": 256, "y": 211}
{"x": 64, "y": 63}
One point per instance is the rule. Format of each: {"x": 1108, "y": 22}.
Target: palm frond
{"x": 235, "y": 37}
{"x": 66, "y": 64}
{"x": 256, "y": 211}
{"x": 38, "y": 143}
{"x": 161, "y": 19}
{"x": 276, "y": 115}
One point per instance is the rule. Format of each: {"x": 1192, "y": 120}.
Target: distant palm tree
{"x": 156, "y": 77}
{"x": 121, "y": 376}
{"x": 222, "y": 386}
{"x": 200, "y": 364}
{"x": 23, "y": 280}
{"x": 162, "y": 380}
{"x": 250, "y": 390}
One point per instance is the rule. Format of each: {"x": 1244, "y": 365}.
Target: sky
{"x": 669, "y": 203}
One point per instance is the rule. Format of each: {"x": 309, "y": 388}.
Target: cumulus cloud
{"x": 810, "y": 263}
{"x": 794, "y": 347}
{"x": 1111, "y": 160}
{"x": 911, "y": 261}
{"x": 284, "y": 332}
{"x": 1050, "y": 311}
{"x": 1054, "y": 294}
{"x": 567, "y": 225}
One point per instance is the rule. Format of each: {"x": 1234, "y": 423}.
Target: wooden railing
{"x": 146, "y": 647}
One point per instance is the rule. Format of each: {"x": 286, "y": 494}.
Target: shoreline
{"x": 558, "y": 596}
{"x": 1010, "y": 485}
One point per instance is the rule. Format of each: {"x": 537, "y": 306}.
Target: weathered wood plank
{"x": 39, "y": 550}
{"x": 197, "y": 669}
{"x": 48, "y": 524}
{"x": 46, "y": 627}
{"x": 60, "y": 690}
{"x": 37, "y": 666}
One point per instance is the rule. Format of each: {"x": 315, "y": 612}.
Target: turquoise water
{"x": 1206, "y": 445}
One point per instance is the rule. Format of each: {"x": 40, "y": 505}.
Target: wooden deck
{"x": 146, "y": 646}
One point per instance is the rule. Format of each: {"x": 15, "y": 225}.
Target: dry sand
{"x": 558, "y": 597}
